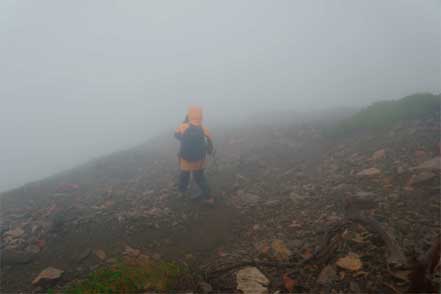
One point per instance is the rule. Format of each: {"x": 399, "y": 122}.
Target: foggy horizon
{"x": 84, "y": 79}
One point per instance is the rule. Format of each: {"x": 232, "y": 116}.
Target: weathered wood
{"x": 395, "y": 255}
{"x": 424, "y": 268}
{"x": 226, "y": 269}
{"x": 329, "y": 245}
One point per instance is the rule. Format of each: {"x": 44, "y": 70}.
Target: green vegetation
{"x": 383, "y": 114}
{"x": 122, "y": 278}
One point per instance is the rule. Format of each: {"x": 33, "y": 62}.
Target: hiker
{"x": 196, "y": 142}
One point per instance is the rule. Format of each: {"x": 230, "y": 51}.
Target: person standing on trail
{"x": 196, "y": 143}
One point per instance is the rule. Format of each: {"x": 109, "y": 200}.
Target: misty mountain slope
{"x": 274, "y": 184}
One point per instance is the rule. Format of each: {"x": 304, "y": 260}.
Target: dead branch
{"x": 331, "y": 239}
{"x": 221, "y": 271}
{"x": 395, "y": 255}
{"x": 424, "y": 268}
{"x": 329, "y": 245}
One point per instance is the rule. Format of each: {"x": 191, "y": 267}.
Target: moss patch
{"x": 383, "y": 114}
{"x": 158, "y": 276}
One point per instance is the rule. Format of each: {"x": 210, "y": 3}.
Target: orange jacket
{"x": 194, "y": 117}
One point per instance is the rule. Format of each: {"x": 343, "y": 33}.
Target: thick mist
{"x": 80, "y": 79}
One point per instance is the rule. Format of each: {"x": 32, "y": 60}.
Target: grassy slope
{"x": 383, "y": 114}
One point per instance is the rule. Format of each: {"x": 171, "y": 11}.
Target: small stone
{"x": 394, "y": 196}
{"x": 296, "y": 243}
{"x": 34, "y": 249}
{"x": 421, "y": 177}
{"x": 35, "y": 228}
{"x": 262, "y": 248}
{"x": 282, "y": 253}
{"x": 308, "y": 187}
{"x": 100, "y": 254}
{"x": 205, "y": 287}
{"x": 50, "y": 274}
{"x": 420, "y": 153}
{"x": 144, "y": 259}
{"x": 4, "y": 227}
{"x": 250, "y": 199}
{"x": 294, "y": 224}
{"x": 111, "y": 260}
{"x": 272, "y": 202}
{"x": 364, "y": 194}
{"x": 343, "y": 188}
{"x": 369, "y": 172}
{"x": 433, "y": 164}
{"x": 83, "y": 255}
{"x": 380, "y": 154}
{"x": 131, "y": 252}
{"x": 15, "y": 233}
{"x": 294, "y": 196}
{"x": 355, "y": 288}
{"x": 350, "y": 262}
{"x": 327, "y": 275}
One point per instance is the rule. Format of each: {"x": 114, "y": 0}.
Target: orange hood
{"x": 195, "y": 115}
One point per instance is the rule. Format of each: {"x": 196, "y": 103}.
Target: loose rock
{"x": 421, "y": 177}
{"x": 15, "y": 233}
{"x": 380, "y": 154}
{"x": 100, "y": 254}
{"x": 350, "y": 262}
{"x": 433, "y": 164}
{"x": 281, "y": 252}
{"x": 369, "y": 172}
{"x": 83, "y": 255}
{"x": 131, "y": 252}
{"x": 205, "y": 287}
{"x": 48, "y": 275}
{"x": 251, "y": 281}
{"x": 327, "y": 275}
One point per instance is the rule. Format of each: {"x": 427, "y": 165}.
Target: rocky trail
{"x": 295, "y": 211}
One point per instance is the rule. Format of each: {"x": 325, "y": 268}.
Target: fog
{"x": 80, "y": 79}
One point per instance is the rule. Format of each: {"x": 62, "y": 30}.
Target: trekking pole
{"x": 216, "y": 166}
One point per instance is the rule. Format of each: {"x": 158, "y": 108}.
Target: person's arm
{"x": 180, "y": 131}
{"x": 178, "y": 135}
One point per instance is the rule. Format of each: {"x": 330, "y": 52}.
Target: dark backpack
{"x": 193, "y": 144}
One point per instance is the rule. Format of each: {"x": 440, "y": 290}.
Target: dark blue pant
{"x": 199, "y": 178}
